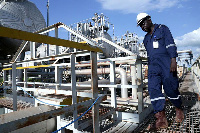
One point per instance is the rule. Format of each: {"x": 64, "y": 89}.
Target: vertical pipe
{"x": 47, "y": 25}
{"x": 56, "y": 36}
{"x": 113, "y": 90}
{"x": 124, "y": 90}
{"x": 139, "y": 83}
{"x": 47, "y": 13}
{"x": 14, "y": 87}
{"x": 73, "y": 85}
{"x": 133, "y": 78}
{"x": 95, "y": 108}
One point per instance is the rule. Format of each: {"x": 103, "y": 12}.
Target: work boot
{"x": 161, "y": 121}
{"x": 179, "y": 115}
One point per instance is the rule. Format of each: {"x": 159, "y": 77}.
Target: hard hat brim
{"x": 138, "y": 23}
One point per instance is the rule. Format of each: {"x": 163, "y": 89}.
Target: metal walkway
{"x": 191, "y": 105}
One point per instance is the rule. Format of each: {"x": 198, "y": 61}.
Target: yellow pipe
{"x": 28, "y": 67}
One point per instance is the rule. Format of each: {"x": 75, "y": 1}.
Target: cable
{"x": 42, "y": 101}
{"x": 78, "y": 117}
{"x": 62, "y": 105}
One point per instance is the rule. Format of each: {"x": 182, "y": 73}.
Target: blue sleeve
{"x": 170, "y": 44}
{"x": 145, "y": 42}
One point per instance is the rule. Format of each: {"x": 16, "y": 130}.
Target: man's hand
{"x": 173, "y": 67}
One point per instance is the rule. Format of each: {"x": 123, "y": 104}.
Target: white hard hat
{"x": 140, "y": 17}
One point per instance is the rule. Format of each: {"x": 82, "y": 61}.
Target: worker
{"x": 162, "y": 69}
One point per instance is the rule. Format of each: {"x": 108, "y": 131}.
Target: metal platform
{"x": 191, "y": 107}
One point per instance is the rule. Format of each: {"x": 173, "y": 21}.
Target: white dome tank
{"x": 108, "y": 50}
{"x": 21, "y": 15}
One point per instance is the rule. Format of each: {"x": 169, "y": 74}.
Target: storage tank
{"x": 108, "y": 50}
{"x": 21, "y": 15}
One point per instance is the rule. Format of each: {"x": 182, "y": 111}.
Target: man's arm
{"x": 171, "y": 49}
{"x": 173, "y": 67}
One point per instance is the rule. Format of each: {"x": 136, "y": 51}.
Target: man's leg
{"x": 171, "y": 90}
{"x": 157, "y": 98}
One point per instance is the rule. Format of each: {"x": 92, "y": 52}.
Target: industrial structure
{"x": 53, "y": 86}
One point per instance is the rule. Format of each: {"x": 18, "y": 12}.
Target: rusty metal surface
{"x": 85, "y": 122}
{"x": 8, "y": 103}
{"x": 191, "y": 106}
{"x": 191, "y": 123}
{"x": 32, "y": 117}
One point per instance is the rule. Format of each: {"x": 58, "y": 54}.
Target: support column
{"x": 25, "y": 80}
{"x": 113, "y": 82}
{"x": 139, "y": 83}
{"x": 134, "y": 80}
{"x": 74, "y": 93}
{"x": 95, "y": 108}
{"x": 14, "y": 87}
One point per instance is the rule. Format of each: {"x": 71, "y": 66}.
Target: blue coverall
{"x": 159, "y": 61}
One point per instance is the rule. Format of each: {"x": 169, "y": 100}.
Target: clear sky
{"x": 181, "y": 16}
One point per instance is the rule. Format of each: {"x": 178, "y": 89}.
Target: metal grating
{"x": 191, "y": 123}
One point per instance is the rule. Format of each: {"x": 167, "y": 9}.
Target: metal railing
{"x": 196, "y": 72}
{"x": 17, "y": 34}
{"x": 134, "y": 62}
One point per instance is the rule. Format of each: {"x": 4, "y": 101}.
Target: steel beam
{"x": 23, "y": 35}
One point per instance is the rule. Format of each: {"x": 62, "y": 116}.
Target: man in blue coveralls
{"x": 162, "y": 68}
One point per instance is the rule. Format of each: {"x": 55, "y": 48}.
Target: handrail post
{"x": 14, "y": 87}
{"x": 113, "y": 89}
{"x": 57, "y": 77}
{"x": 140, "y": 83}
{"x": 4, "y": 83}
{"x": 94, "y": 77}
{"x": 134, "y": 80}
{"x": 73, "y": 89}
{"x": 113, "y": 82}
{"x": 25, "y": 78}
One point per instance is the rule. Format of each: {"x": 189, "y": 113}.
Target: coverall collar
{"x": 155, "y": 27}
